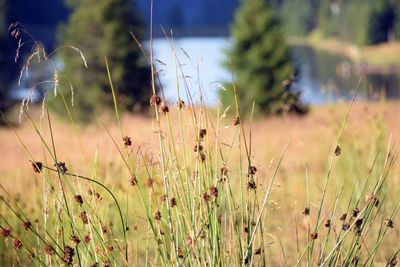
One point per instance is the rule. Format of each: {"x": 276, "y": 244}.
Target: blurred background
{"x": 333, "y": 43}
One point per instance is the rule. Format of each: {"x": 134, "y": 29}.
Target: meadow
{"x": 194, "y": 186}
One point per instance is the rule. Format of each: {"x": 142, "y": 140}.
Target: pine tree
{"x": 260, "y": 61}
{"x": 8, "y": 67}
{"x": 100, "y": 28}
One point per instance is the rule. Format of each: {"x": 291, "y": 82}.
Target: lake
{"x": 324, "y": 77}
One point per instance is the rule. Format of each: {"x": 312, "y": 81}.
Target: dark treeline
{"x": 358, "y": 21}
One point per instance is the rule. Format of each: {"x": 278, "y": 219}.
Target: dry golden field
{"x": 91, "y": 151}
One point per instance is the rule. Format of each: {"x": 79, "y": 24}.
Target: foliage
{"x": 99, "y": 29}
{"x": 260, "y": 61}
{"x": 382, "y": 22}
{"x": 7, "y": 72}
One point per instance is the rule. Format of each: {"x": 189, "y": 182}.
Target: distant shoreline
{"x": 374, "y": 59}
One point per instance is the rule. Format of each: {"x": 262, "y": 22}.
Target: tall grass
{"x": 195, "y": 199}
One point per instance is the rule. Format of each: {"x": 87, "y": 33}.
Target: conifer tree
{"x": 260, "y": 61}
{"x": 101, "y": 28}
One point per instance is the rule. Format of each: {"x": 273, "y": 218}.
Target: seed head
{"x": 164, "y": 109}
{"x": 252, "y": 185}
{"x": 133, "y": 180}
{"x": 338, "y": 151}
{"x": 110, "y": 248}
{"x": 68, "y": 255}
{"x": 155, "y": 100}
{"x": 328, "y": 223}
{"x": 224, "y": 171}
{"x": 37, "y": 166}
{"x": 236, "y": 121}
{"x": 75, "y": 239}
{"x": 258, "y": 251}
{"x": 26, "y": 225}
{"x": 392, "y": 261}
{"x": 314, "y": 235}
{"x": 150, "y": 183}
{"x": 206, "y": 197}
{"x": 172, "y": 202}
{"x": 17, "y": 244}
{"x": 127, "y": 141}
{"x": 198, "y": 147}
{"x": 202, "y": 133}
{"x": 5, "y": 232}
{"x": 78, "y": 199}
{"x": 181, "y": 104}
{"x": 157, "y": 215}
{"x": 345, "y": 227}
{"x": 86, "y": 238}
{"x": 202, "y": 156}
{"x": 358, "y": 223}
{"x": 84, "y": 217}
{"x": 252, "y": 170}
{"x": 62, "y": 167}
{"x": 306, "y": 211}
{"x": 356, "y": 211}
{"x": 214, "y": 191}
{"x": 389, "y": 223}
{"x": 343, "y": 217}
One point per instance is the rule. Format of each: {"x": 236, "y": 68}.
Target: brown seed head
{"x": 314, "y": 236}
{"x": 68, "y": 255}
{"x": 164, "y": 109}
{"x": 358, "y": 223}
{"x": 328, "y": 223}
{"x": 236, "y": 121}
{"x": 5, "y": 232}
{"x": 84, "y": 217}
{"x": 157, "y": 215}
{"x": 345, "y": 227}
{"x": 26, "y": 225}
{"x": 356, "y": 211}
{"x": 62, "y": 167}
{"x": 37, "y": 166}
{"x": 86, "y": 238}
{"x": 343, "y": 217}
{"x": 17, "y": 244}
{"x": 258, "y": 251}
{"x": 150, "y": 183}
{"x": 206, "y": 197}
{"x": 75, "y": 239}
{"x": 338, "y": 151}
{"x": 252, "y": 170}
{"x": 110, "y": 248}
{"x": 306, "y": 211}
{"x": 202, "y": 133}
{"x": 198, "y": 147}
{"x": 224, "y": 171}
{"x": 172, "y": 202}
{"x": 252, "y": 185}
{"x": 155, "y": 100}
{"x": 78, "y": 199}
{"x": 133, "y": 181}
{"x": 214, "y": 191}
{"x": 389, "y": 223}
{"x": 202, "y": 156}
{"x": 127, "y": 141}
{"x": 181, "y": 104}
